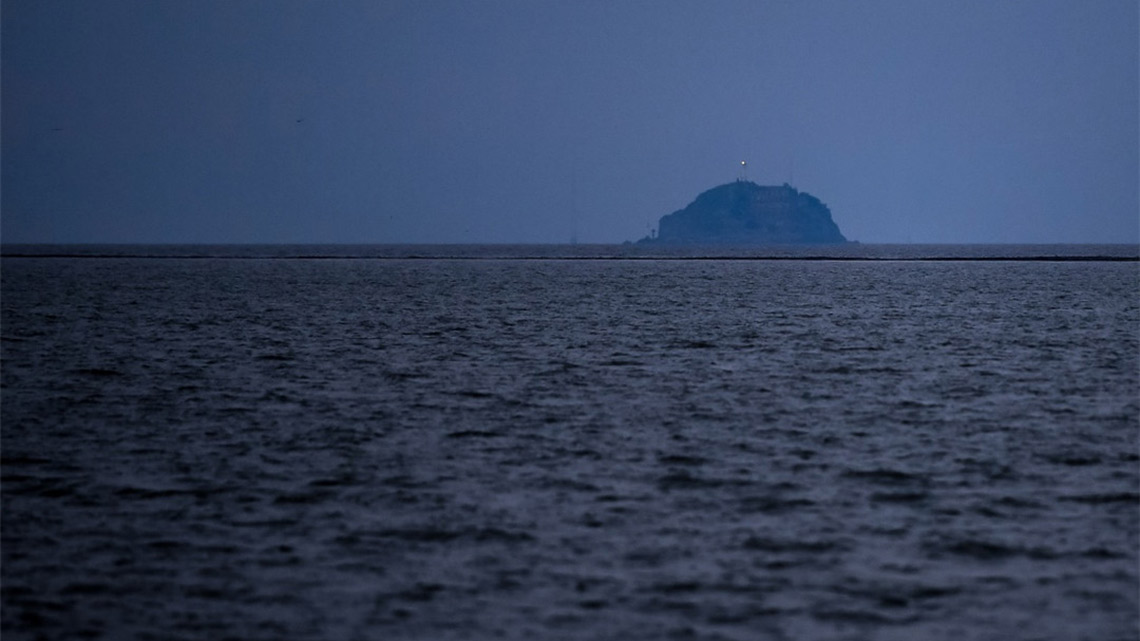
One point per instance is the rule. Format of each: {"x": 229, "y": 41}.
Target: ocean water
{"x": 536, "y": 443}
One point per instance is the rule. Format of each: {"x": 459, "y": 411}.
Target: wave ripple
{"x": 590, "y": 449}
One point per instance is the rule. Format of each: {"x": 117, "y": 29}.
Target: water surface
{"x": 430, "y": 448}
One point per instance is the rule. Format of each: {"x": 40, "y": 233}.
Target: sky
{"x": 535, "y": 121}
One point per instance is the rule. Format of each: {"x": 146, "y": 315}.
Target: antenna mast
{"x": 743, "y": 176}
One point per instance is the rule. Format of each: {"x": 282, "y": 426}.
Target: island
{"x": 744, "y": 213}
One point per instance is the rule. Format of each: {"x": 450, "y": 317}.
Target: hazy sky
{"x": 505, "y": 121}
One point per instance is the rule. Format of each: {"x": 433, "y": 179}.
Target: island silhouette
{"x": 744, "y": 213}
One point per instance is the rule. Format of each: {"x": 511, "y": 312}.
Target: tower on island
{"x": 743, "y": 175}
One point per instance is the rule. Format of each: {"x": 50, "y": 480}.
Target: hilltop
{"x": 744, "y": 213}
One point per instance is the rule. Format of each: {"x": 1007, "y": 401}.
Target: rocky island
{"x": 744, "y": 213}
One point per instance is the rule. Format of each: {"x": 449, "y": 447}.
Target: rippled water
{"x": 568, "y": 449}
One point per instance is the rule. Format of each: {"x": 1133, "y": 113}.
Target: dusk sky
{"x": 251, "y": 121}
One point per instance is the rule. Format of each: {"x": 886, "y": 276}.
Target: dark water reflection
{"x": 569, "y": 449}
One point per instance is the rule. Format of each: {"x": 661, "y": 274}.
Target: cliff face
{"x": 745, "y": 213}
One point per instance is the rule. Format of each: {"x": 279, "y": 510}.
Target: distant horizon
{"x": 554, "y": 244}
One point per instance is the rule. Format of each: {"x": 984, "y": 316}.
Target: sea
{"x": 880, "y": 442}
